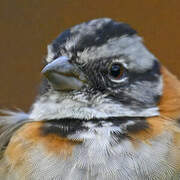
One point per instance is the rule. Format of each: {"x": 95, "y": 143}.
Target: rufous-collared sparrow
{"x": 107, "y": 110}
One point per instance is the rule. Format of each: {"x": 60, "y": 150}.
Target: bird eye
{"x": 116, "y": 71}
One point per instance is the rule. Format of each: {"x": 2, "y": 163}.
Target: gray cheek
{"x": 146, "y": 92}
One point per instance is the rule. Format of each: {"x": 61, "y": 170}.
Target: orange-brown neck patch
{"x": 169, "y": 105}
{"x": 156, "y": 126}
{"x": 31, "y": 134}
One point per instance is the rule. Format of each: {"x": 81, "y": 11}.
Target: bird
{"x": 106, "y": 109}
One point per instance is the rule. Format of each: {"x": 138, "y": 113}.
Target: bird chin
{"x": 63, "y": 82}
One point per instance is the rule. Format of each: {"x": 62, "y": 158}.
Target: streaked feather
{"x": 9, "y": 123}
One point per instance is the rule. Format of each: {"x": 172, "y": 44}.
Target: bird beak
{"x": 62, "y": 74}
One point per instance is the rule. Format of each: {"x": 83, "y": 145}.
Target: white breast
{"x": 101, "y": 157}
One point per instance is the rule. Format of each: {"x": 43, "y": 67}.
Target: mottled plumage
{"x": 107, "y": 109}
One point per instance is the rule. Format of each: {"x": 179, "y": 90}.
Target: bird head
{"x": 100, "y": 73}
{"x": 100, "y": 69}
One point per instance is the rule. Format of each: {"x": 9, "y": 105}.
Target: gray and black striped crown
{"x": 93, "y": 33}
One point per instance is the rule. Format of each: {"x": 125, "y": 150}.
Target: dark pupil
{"x": 115, "y": 70}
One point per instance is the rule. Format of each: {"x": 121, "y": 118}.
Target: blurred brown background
{"x": 26, "y": 27}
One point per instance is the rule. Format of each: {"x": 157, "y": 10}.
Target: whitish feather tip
{"x": 13, "y": 117}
